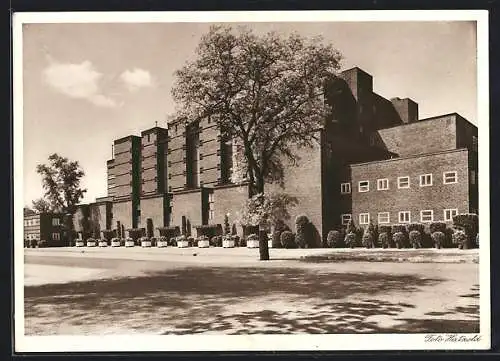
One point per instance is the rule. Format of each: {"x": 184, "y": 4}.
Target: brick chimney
{"x": 406, "y": 108}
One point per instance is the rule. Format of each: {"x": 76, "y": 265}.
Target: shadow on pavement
{"x": 196, "y": 300}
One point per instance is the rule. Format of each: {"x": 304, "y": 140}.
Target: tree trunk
{"x": 263, "y": 246}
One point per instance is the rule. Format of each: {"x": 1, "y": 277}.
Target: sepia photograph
{"x": 198, "y": 181}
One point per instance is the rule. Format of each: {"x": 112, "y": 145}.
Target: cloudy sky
{"x": 87, "y": 84}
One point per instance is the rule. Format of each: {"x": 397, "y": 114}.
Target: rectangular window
{"x": 382, "y": 184}
{"x": 449, "y": 214}
{"x": 56, "y": 236}
{"x": 364, "y": 218}
{"x": 192, "y": 151}
{"x": 345, "y": 218}
{"x": 426, "y": 216}
{"x": 363, "y": 186}
{"x": 384, "y": 217}
{"x": 449, "y": 177}
{"x": 404, "y": 182}
{"x": 426, "y": 180}
{"x": 211, "y": 206}
{"x": 55, "y": 221}
{"x": 345, "y": 188}
{"x": 404, "y": 217}
{"x": 472, "y": 177}
{"x": 226, "y": 159}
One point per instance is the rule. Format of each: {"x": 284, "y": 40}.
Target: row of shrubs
{"x": 463, "y": 235}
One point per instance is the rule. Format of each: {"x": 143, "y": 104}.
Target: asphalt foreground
{"x": 96, "y": 291}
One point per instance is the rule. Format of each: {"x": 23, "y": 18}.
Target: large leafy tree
{"x": 61, "y": 181}
{"x": 41, "y": 205}
{"x": 265, "y": 92}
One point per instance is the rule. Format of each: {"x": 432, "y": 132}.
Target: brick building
{"x": 44, "y": 227}
{"x": 375, "y": 160}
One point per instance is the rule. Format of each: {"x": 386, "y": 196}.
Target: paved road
{"x": 172, "y": 291}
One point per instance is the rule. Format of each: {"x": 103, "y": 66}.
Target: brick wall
{"x": 437, "y": 197}
{"x": 229, "y": 199}
{"x": 188, "y": 204}
{"x": 176, "y": 157}
{"x": 425, "y": 136}
{"x": 304, "y": 182}
{"x": 100, "y": 216}
{"x": 152, "y": 208}
{"x": 209, "y": 153}
{"x": 122, "y": 212}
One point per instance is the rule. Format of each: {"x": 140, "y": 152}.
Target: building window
{"x": 474, "y": 143}
{"x": 404, "y": 217}
{"x": 404, "y": 182}
{"x": 384, "y": 217}
{"x": 472, "y": 177}
{"x": 345, "y": 218}
{"x": 364, "y": 186}
{"x": 345, "y": 188}
{"x": 55, "y": 221}
{"x": 382, "y": 184}
{"x": 56, "y": 236}
{"x": 192, "y": 155}
{"x": 364, "y": 218}
{"x": 226, "y": 160}
{"x": 425, "y": 180}
{"x": 426, "y": 216}
{"x": 449, "y": 214}
{"x": 449, "y": 177}
{"x": 211, "y": 206}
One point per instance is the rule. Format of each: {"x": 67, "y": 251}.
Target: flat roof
{"x": 436, "y": 117}
{"x": 408, "y": 157}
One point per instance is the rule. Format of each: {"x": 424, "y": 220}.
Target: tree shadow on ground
{"x": 199, "y": 300}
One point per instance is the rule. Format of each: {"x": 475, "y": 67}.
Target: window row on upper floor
{"x": 425, "y": 180}
{"x": 426, "y": 216}
{"x": 36, "y": 222}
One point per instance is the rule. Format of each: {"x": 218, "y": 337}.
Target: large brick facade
{"x": 413, "y": 198}
{"x": 185, "y": 171}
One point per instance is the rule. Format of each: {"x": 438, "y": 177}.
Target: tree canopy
{"x": 41, "y": 205}
{"x": 61, "y": 182}
{"x": 265, "y": 91}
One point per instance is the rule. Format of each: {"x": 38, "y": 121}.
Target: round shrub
{"x": 42, "y": 243}
{"x": 459, "y": 238}
{"x": 438, "y": 238}
{"x": 334, "y": 239}
{"x": 216, "y": 241}
{"x": 415, "y": 239}
{"x": 288, "y": 239}
{"x": 384, "y": 240}
{"x": 301, "y": 221}
{"x": 351, "y": 240}
{"x": 437, "y": 227}
{"x": 416, "y": 227}
{"x": 399, "y": 239}
{"x": 300, "y": 239}
{"x": 469, "y": 223}
{"x": 368, "y": 238}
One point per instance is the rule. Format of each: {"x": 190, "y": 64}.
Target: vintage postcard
{"x": 200, "y": 181}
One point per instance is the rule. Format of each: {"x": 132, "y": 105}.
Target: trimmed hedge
{"x": 437, "y": 227}
{"x": 398, "y": 228}
{"x": 216, "y": 241}
{"x": 469, "y": 223}
{"x": 209, "y": 230}
{"x": 169, "y": 232}
{"x": 416, "y": 227}
{"x": 384, "y": 229}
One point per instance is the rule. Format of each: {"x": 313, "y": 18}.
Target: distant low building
{"x": 46, "y": 227}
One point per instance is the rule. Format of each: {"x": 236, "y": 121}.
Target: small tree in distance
{"x": 264, "y": 92}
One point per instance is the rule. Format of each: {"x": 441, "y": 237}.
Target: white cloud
{"x": 79, "y": 81}
{"x": 137, "y": 78}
